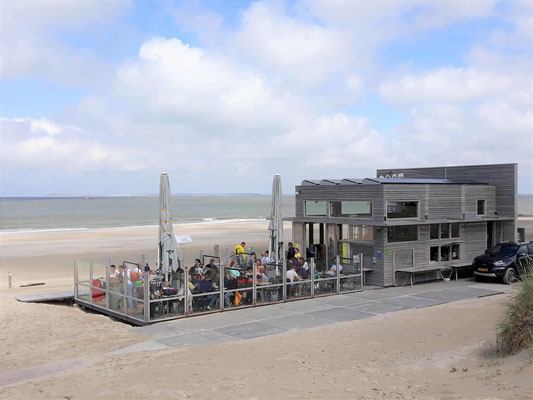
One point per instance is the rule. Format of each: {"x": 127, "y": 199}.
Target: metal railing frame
{"x": 145, "y": 317}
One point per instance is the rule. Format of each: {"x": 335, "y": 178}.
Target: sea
{"x": 57, "y": 213}
{"x": 29, "y": 214}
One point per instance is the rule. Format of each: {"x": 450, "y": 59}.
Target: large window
{"x": 402, "y": 233}
{"x": 481, "y": 207}
{"x": 455, "y": 230}
{"x": 444, "y": 231}
{"x": 359, "y": 233}
{"x": 434, "y": 231}
{"x": 315, "y": 208}
{"x": 447, "y": 252}
{"x": 402, "y": 209}
{"x": 361, "y": 209}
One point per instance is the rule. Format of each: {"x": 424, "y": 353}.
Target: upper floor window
{"x": 361, "y": 209}
{"x": 402, "y": 209}
{"x": 481, "y": 207}
{"x": 402, "y": 233}
{"x": 316, "y": 208}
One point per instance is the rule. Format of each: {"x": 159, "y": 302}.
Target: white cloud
{"x": 444, "y": 85}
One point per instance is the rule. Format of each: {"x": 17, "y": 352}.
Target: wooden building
{"x": 407, "y": 219}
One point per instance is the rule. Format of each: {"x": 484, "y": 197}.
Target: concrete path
{"x": 247, "y": 323}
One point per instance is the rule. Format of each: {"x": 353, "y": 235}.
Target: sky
{"x": 100, "y": 97}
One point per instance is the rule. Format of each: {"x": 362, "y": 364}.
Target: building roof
{"x": 381, "y": 181}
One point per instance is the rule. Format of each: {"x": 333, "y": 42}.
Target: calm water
{"x": 47, "y": 213}
{"x": 58, "y": 213}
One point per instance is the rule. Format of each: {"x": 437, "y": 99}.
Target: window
{"x": 351, "y": 209}
{"x": 455, "y": 252}
{"x": 445, "y": 253}
{"x": 481, "y": 207}
{"x": 434, "y": 253}
{"x": 402, "y": 233}
{"x": 444, "y": 231}
{"x": 315, "y": 208}
{"x": 402, "y": 209}
{"x": 358, "y": 233}
{"x": 455, "y": 230}
{"x": 434, "y": 231}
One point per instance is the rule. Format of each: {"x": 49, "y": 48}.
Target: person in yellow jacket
{"x": 239, "y": 253}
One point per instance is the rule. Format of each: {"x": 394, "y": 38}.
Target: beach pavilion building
{"x": 408, "y": 223}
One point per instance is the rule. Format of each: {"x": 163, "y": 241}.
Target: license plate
{"x": 483, "y": 269}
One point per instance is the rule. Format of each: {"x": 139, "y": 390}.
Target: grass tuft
{"x": 515, "y": 331}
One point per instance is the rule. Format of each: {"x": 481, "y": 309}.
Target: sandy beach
{"x": 450, "y": 356}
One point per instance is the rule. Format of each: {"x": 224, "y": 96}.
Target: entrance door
{"x": 490, "y": 234}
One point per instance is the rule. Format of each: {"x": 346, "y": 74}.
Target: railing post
{"x": 216, "y": 248}
{"x": 362, "y": 266}
{"x": 125, "y": 290}
{"x": 186, "y": 308}
{"x": 76, "y": 293}
{"x": 107, "y": 286}
{"x": 312, "y": 270}
{"x": 254, "y": 280}
{"x": 146, "y": 295}
{"x": 91, "y": 283}
{"x": 201, "y": 256}
{"x": 142, "y": 260}
{"x": 284, "y": 278}
{"x": 338, "y": 263}
{"x": 221, "y": 274}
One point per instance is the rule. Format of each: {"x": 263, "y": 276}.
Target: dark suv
{"x": 500, "y": 261}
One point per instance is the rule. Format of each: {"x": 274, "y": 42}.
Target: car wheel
{"x": 510, "y": 276}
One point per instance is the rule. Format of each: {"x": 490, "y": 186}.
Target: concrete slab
{"x": 342, "y": 300}
{"x": 194, "y": 339}
{"x": 379, "y": 294}
{"x": 149, "y": 345}
{"x": 445, "y": 295}
{"x": 340, "y": 314}
{"x": 53, "y": 296}
{"x": 413, "y": 302}
{"x": 299, "y": 321}
{"x": 475, "y": 292}
{"x": 378, "y": 307}
{"x": 260, "y": 313}
{"x": 210, "y": 321}
{"x": 251, "y": 330}
{"x": 302, "y": 306}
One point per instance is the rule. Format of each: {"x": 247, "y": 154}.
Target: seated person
{"x": 204, "y": 286}
{"x": 233, "y": 269}
{"x": 292, "y": 275}
{"x": 231, "y": 285}
{"x": 297, "y": 254}
{"x": 113, "y": 273}
{"x": 210, "y": 274}
{"x": 333, "y": 270}
{"x": 250, "y": 260}
{"x": 264, "y": 275}
{"x": 212, "y": 263}
{"x": 266, "y": 258}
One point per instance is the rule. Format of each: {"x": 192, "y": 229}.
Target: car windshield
{"x": 503, "y": 250}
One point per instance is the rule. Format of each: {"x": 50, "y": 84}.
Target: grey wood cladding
{"x": 451, "y": 201}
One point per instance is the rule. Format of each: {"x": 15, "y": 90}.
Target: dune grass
{"x": 515, "y": 331}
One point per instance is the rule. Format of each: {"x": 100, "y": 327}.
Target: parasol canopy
{"x": 168, "y": 246}
{"x": 276, "y": 222}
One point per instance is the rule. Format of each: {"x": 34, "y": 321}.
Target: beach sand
{"x": 403, "y": 355}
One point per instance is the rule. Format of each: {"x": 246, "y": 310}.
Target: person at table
{"x": 291, "y": 273}
{"x": 251, "y": 260}
{"x": 297, "y": 254}
{"x": 233, "y": 269}
{"x": 196, "y": 271}
{"x": 261, "y": 272}
{"x": 181, "y": 292}
{"x": 210, "y": 274}
{"x": 113, "y": 273}
{"x": 333, "y": 270}
{"x": 301, "y": 271}
{"x": 266, "y": 258}
{"x": 231, "y": 285}
{"x": 212, "y": 263}
{"x": 204, "y": 286}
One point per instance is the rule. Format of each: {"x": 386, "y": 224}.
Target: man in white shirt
{"x": 333, "y": 270}
{"x": 292, "y": 275}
